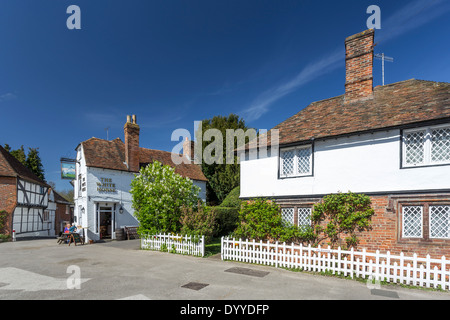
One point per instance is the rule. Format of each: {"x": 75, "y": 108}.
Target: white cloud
{"x": 312, "y": 71}
{"x": 409, "y": 17}
{"x": 7, "y": 96}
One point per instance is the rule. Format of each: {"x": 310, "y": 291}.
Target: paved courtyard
{"x": 42, "y": 269}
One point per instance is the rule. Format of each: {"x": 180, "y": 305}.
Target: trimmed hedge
{"x": 227, "y": 220}
{"x": 227, "y": 214}
{"x": 3, "y": 217}
{"x": 232, "y": 199}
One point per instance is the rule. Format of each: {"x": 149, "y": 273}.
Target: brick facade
{"x": 386, "y": 234}
{"x": 63, "y": 214}
{"x": 8, "y": 196}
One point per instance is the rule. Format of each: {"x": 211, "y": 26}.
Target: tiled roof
{"x": 394, "y": 105}
{"x": 59, "y": 198}
{"x": 11, "y": 167}
{"x": 110, "y": 154}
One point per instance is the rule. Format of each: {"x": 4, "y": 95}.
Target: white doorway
{"x": 105, "y": 221}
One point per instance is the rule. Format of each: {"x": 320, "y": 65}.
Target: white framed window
{"x": 304, "y": 217}
{"x": 439, "y": 221}
{"x": 412, "y": 221}
{"x": 296, "y": 161}
{"x": 287, "y": 216}
{"x": 426, "y": 146}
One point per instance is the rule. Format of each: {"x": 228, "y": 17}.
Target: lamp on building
{"x": 82, "y": 210}
{"x": 121, "y": 209}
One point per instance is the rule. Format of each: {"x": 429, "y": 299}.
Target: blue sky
{"x": 175, "y": 62}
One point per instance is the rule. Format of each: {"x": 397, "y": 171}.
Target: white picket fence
{"x": 190, "y": 245}
{"x": 408, "y": 270}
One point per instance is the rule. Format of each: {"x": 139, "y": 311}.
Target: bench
{"x": 64, "y": 237}
{"x": 70, "y": 238}
{"x": 131, "y": 232}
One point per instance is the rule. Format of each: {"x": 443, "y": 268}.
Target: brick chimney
{"x": 188, "y": 149}
{"x": 131, "y": 130}
{"x": 358, "y": 66}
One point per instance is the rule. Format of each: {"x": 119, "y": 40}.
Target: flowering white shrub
{"x": 158, "y": 196}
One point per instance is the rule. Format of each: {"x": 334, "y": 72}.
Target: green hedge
{"x": 3, "y": 217}
{"x": 232, "y": 199}
{"x": 227, "y": 219}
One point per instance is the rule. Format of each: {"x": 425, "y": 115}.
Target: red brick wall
{"x": 61, "y": 216}
{"x": 8, "y": 199}
{"x": 386, "y": 234}
{"x": 387, "y": 227}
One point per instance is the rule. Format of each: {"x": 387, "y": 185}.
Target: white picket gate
{"x": 190, "y": 245}
{"x": 408, "y": 270}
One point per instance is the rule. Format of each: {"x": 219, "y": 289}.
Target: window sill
{"x": 423, "y": 241}
{"x": 293, "y": 177}
{"x": 425, "y": 165}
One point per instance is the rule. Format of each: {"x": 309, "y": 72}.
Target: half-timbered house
{"x": 24, "y": 197}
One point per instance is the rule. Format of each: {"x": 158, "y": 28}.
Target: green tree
{"x": 67, "y": 194}
{"x": 232, "y": 200}
{"x": 34, "y": 163}
{"x": 31, "y": 160}
{"x": 222, "y": 177}
{"x": 20, "y": 155}
{"x": 158, "y": 196}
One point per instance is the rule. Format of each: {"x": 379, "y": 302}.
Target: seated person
{"x": 66, "y": 229}
{"x": 72, "y": 228}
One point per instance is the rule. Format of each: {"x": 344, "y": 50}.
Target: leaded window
{"x": 296, "y": 161}
{"x": 287, "y": 216}
{"x": 304, "y": 217}
{"x": 414, "y": 147}
{"x": 288, "y": 162}
{"x": 440, "y": 145}
{"x": 426, "y": 146}
{"x": 412, "y": 221}
{"x": 440, "y": 221}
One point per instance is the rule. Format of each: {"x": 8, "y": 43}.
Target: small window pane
{"x": 440, "y": 145}
{"x": 304, "y": 160}
{"x": 287, "y": 216}
{"x": 412, "y": 221}
{"x": 304, "y": 216}
{"x": 414, "y": 147}
{"x": 288, "y": 158}
{"x": 439, "y": 221}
